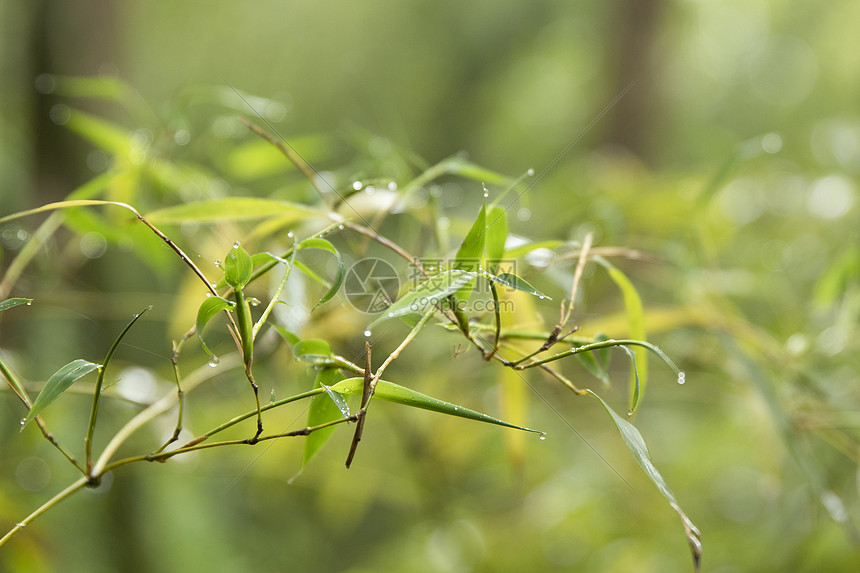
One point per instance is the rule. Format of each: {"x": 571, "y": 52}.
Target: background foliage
{"x": 732, "y": 161}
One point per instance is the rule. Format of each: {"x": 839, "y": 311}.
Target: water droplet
{"x": 392, "y": 186}
{"x": 271, "y": 395}
{"x": 682, "y": 378}
{"x": 630, "y": 413}
{"x": 253, "y": 301}
{"x": 370, "y": 189}
{"x": 23, "y": 421}
{"x": 486, "y": 191}
{"x": 340, "y": 227}
{"x": 367, "y": 334}
{"x": 530, "y": 172}
{"x": 542, "y": 436}
{"x": 209, "y": 293}
{"x": 214, "y": 361}
{"x": 290, "y": 235}
{"x": 218, "y": 263}
{"x": 236, "y": 245}
{"x": 356, "y": 185}
{"x": 29, "y": 303}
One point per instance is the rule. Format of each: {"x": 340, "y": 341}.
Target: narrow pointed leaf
{"x": 234, "y": 208}
{"x": 338, "y": 400}
{"x": 290, "y": 337}
{"x": 58, "y": 383}
{"x": 511, "y": 280}
{"x": 636, "y": 321}
{"x": 497, "y": 234}
{"x": 431, "y": 292}
{"x": 588, "y": 360}
{"x": 472, "y": 248}
{"x": 519, "y": 251}
{"x": 634, "y": 402}
{"x": 316, "y": 243}
{"x": 210, "y": 307}
{"x": 13, "y": 302}
{"x": 323, "y": 408}
{"x": 636, "y": 444}
{"x": 471, "y": 251}
{"x": 392, "y": 392}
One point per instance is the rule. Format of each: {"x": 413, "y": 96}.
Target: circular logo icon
{"x": 371, "y": 285}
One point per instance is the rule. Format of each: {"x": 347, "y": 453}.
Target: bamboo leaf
{"x": 290, "y": 337}
{"x": 13, "y": 302}
{"x": 471, "y": 250}
{"x": 323, "y": 408}
{"x": 636, "y": 444}
{"x": 313, "y": 350}
{"x": 588, "y": 360}
{"x": 238, "y": 267}
{"x": 511, "y": 280}
{"x": 463, "y": 168}
{"x": 497, "y": 234}
{"x": 636, "y": 321}
{"x": 104, "y": 134}
{"x": 58, "y": 383}
{"x": 234, "y": 208}
{"x": 316, "y": 243}
{"x": 392, "y": 392}
{"x": 517, "y": 252}
{"x": 431, "y": 292}
{"x": 210, "y": 307}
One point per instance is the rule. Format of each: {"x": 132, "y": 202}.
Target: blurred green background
{"x": 731, "y": 160}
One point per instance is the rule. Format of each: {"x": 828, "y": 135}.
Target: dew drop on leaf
{"x": 542, "y": 436}
{"x": 367, "y": 334}
{"x": 682, "y": 378}
{"x": 236, "y": 245}
{"x": 214, "y": 361}
{"x": 530, "y": 172}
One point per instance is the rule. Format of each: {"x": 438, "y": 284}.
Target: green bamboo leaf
{"x": 497, "y": 234}
{"x": 290, "y": 337}
{"x": 636, "y": 320}
{"x": 313, "y": 350}
{"x": 323, "y": 409}
{"x": 634, "y": 402}
{"x": 58, "y": 383}
{"x": 238, "y": 267}
{"x": 392, "y": 392}
{"x": 517, "y": 252}
{"x": 13, "y": 302}
{"x": 588, "y": 360}
{"x": 316, "y": 243}
{"x": 636, "y": 444}
{"x": 511, "y": 280}
{"x": 471, "y": 250}
{"x": 210, "y": 307}
{"x": 431, "y": 292}
{"x": 463, "y": 168}
{"x": 234, "y": 208}
{"x": 104, "y": 134}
